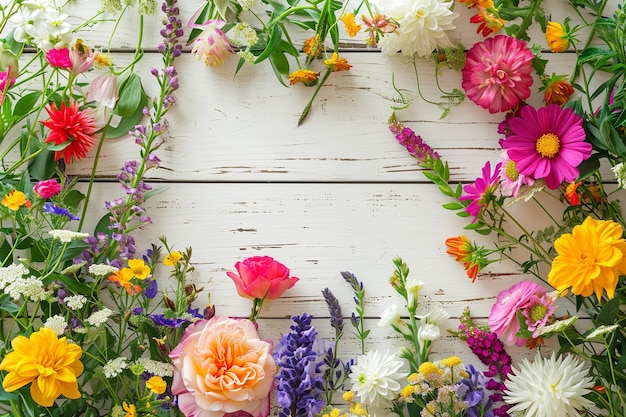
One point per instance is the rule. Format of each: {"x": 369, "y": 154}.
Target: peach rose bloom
{"x": 223, "y": 367}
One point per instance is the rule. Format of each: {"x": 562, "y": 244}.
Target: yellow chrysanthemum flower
{"x": 172, "y": 258}
{"x": 156, "y": 384}
{"x": 14, "y": 200}
{"x": 557, "y": 37}
{"x": 352, "y": 28}
{"x": 590, "y": 259}
{"x": 139, "y": 268}
{"x": 51, "y": 365}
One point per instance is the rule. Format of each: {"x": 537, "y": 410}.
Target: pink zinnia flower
{"x": 482, "y": 191}
{"x": 212, "y": 45}
{"x": 59, "y": 58}
{"x": 503, "y": 316}
{"x": 497, "y": 73}
{"x": 538, "y": 311}
{"x": 547, "y": 143}
{"x": 47, "y": 188}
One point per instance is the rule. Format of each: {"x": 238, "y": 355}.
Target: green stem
{"x": 307, "y": 108}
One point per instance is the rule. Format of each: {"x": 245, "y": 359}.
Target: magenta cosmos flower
{"x": 547, "y": 143}
{"x": 482, "y": 190}
{"x": 497, "y": 73}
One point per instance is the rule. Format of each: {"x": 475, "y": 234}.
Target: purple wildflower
{"x": 414, "y": 144}
{"x": 299, "y": 384}
{"x": 336, "y": 316}
{"x": 58, "y": 211}
{"x": 161, "y": 320}
{"x": 472, "y": 391}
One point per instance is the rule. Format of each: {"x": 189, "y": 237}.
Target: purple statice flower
{"x": 299, "y": 384}
{"x": 52, "y": 208}
{"x": 472, "y": 391}
{"x": 415, "y": 145}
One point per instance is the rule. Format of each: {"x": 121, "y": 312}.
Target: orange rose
{"x": 222, "y": 367}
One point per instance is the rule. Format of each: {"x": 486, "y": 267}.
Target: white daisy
{"x": 549, "y": 387}
{"x": 423, "y": 25}
{"x": 377, "y": 377}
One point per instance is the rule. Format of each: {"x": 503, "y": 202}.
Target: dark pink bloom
{"x": 4, "y": 76}
{"x": 547, "y": 143}
{"x": 261, "y": 277}
{"x": 47, "y": 188}
{"x": 497, "y": 73}
{"x": 482, "y": 191}
{"x": 59, "y": 58}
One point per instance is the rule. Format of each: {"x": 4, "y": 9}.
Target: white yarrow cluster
{"x": 75, "y": 302}
{"x": 10, "y": 273}
{"x": 57, "y": 324}
{"x": 99, "y": 317}
{"x": 242, "y": 34}
{"x": 620, "y": 174}
{"x": 156, "y": 368}
{"x": 114, "y": 367}
{"x": 423, "y": 25}
{"x": 67, "y": 236}
{"x": 42, "y": 23}
{"x": 102, "y": 270}
{"x": 247, "y": 4}
{"x": 377, "y": 378}
{"x": 30, "y": 288}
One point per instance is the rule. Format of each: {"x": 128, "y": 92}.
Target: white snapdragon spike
{"x": 422, "y": 25}
{"x": 157, "y": 368}
{"x": 114, "y": 367}
{"x": 412, "y": 287}
{"x": 57, "y": 324}
{"x": 377, "y": 377}
{"x": 436, "y": 316}
{"x": 67, "y": 236}
{"x": 549, "y": 387}
{"x": 99, "y": 317}
{"x": 428, "y": 333}
{"x": 390, "y": 317}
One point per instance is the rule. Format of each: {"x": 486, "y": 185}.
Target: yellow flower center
{"x": 548, "y": 145}
{"x": 511, "y": 171}
{"x": 538, "y": 312}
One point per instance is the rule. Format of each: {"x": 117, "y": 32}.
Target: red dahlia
{"x": 73, "y": 125}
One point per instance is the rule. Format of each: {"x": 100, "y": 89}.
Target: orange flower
{"x": 488, "y": 19}
{"x": 352, "y": 28}
{"x": 557, "y": 90}
{"x": 557, "y": 37}
{"x": 123, "y": 279}
{"x": 14, "y": 199}
{"x": 571, "y": 193}
{"x": 312, "y": 46}
{"x": 460, "y": 247}
{"x": 336, "y": 63}
{"x": 306, "y": 77}
{"x": 474, "y": 258}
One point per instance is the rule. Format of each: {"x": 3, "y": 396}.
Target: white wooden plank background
{"x": 335, "y": 194}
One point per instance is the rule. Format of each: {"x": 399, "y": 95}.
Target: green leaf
{"x": 272, "y": 44}
{"x": 73, "y": 198}
{"x": 454, "y": 206}
{"x": 609, "y": 313}
{"x": 129, "y": 122}
{"x": 131, "y": 95}
{"x": 75, "y": 286}
{"x": 26, "y": 104}
{"x": 279, "y": 62}
{"x": 43, "y": 166}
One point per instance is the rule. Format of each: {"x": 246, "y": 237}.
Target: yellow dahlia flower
{"x": 50, "y": 363}
{"x": 590, "y": 259}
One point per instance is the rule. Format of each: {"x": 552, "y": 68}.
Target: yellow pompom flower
{"x": 51, "y": 365}
{"x": 590, "y": 259}
{"x": 450, "y": 362}
{"x": 428, "y": 368}
{"x": 156, "y": 384}
{"x": 172, "y": 258}
{"x": 557, "y": 37}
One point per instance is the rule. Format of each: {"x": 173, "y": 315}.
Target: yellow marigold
{"x": 352, "y": 28}
{"x": 427, "y": 368}
{"x": 172, "y": 258}
{"x": 336, "y": 63}
{"x": 51, "y": 365}
{"x": 156, "y": 384}
{"x": 557, "y": 37}
{"x": 304, "y": 76}
{"x": 14, "y": 200}
{"x": 139, "y": 268}
{"x": 312, "y": 46}
{"x": 557, "y": 90}
{"x": 451, "y": 362}
{"x": 590, "y": 259}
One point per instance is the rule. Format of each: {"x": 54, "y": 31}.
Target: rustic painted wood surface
{"x": 335, "y": 194}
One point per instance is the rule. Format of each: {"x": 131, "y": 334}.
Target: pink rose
{"x": 503, "y": 316}
{"x": 221, "y": 366}
{"x": 262, "y": 277}
{"x": 47, "y": 188}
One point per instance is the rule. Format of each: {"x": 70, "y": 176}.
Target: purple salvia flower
{"x": 415, "y": 145}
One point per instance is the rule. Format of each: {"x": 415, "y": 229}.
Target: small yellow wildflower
{"x": 407, "y": 392}
{"x": 172, "y": 258}
{"x": 348, "y": 396}
{"x": 336, "y": 63}
{"x": 413, "y": 377}
{"x": 427, "y": 368}
{"x": 359, "y": 410}
{"x": 451, "y": 361}
{"x": 352, "y": 28}
{"x": 557, "y": 37}
{"x": 139, "y": 268}
{"x": 14, "y": 200}
{"x": 307, "y": 77}
{"x": 156, "y": 384}
{"x": 131, "y": 410}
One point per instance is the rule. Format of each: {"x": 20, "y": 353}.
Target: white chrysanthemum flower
{"x": 102, "y": 270}
{"x": 66, "y": 236}
{"x": 114, "y": 367}
{"x": 162, "y": 369}
{"x": 10, "y": 273}
{"x": 549, "y": 387}
{"x": 75, "y": 302}
{"x": 377, "y": 377}
{"x": 601, "y": 330}
{"x": 390, "y": 317}
{"x": 99, "y": 317}
{"x": 57, "y": 324}
{"x": 423, "y": 25}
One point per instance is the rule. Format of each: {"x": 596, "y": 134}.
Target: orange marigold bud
{"x": 557, "y": 37}
{"x": 557, "y": 90}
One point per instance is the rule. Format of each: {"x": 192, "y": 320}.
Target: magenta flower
{"x": 47, "y": 188}
{"x": 497, "y": 73}
{"x": 59, "y": 58}
{"x": 4, "y": 77}
{"x": 503, "y": 316}
{"x": 547, "y": 143}
{"x": 538, "y": 311}
{"x": 482, "y": 191}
